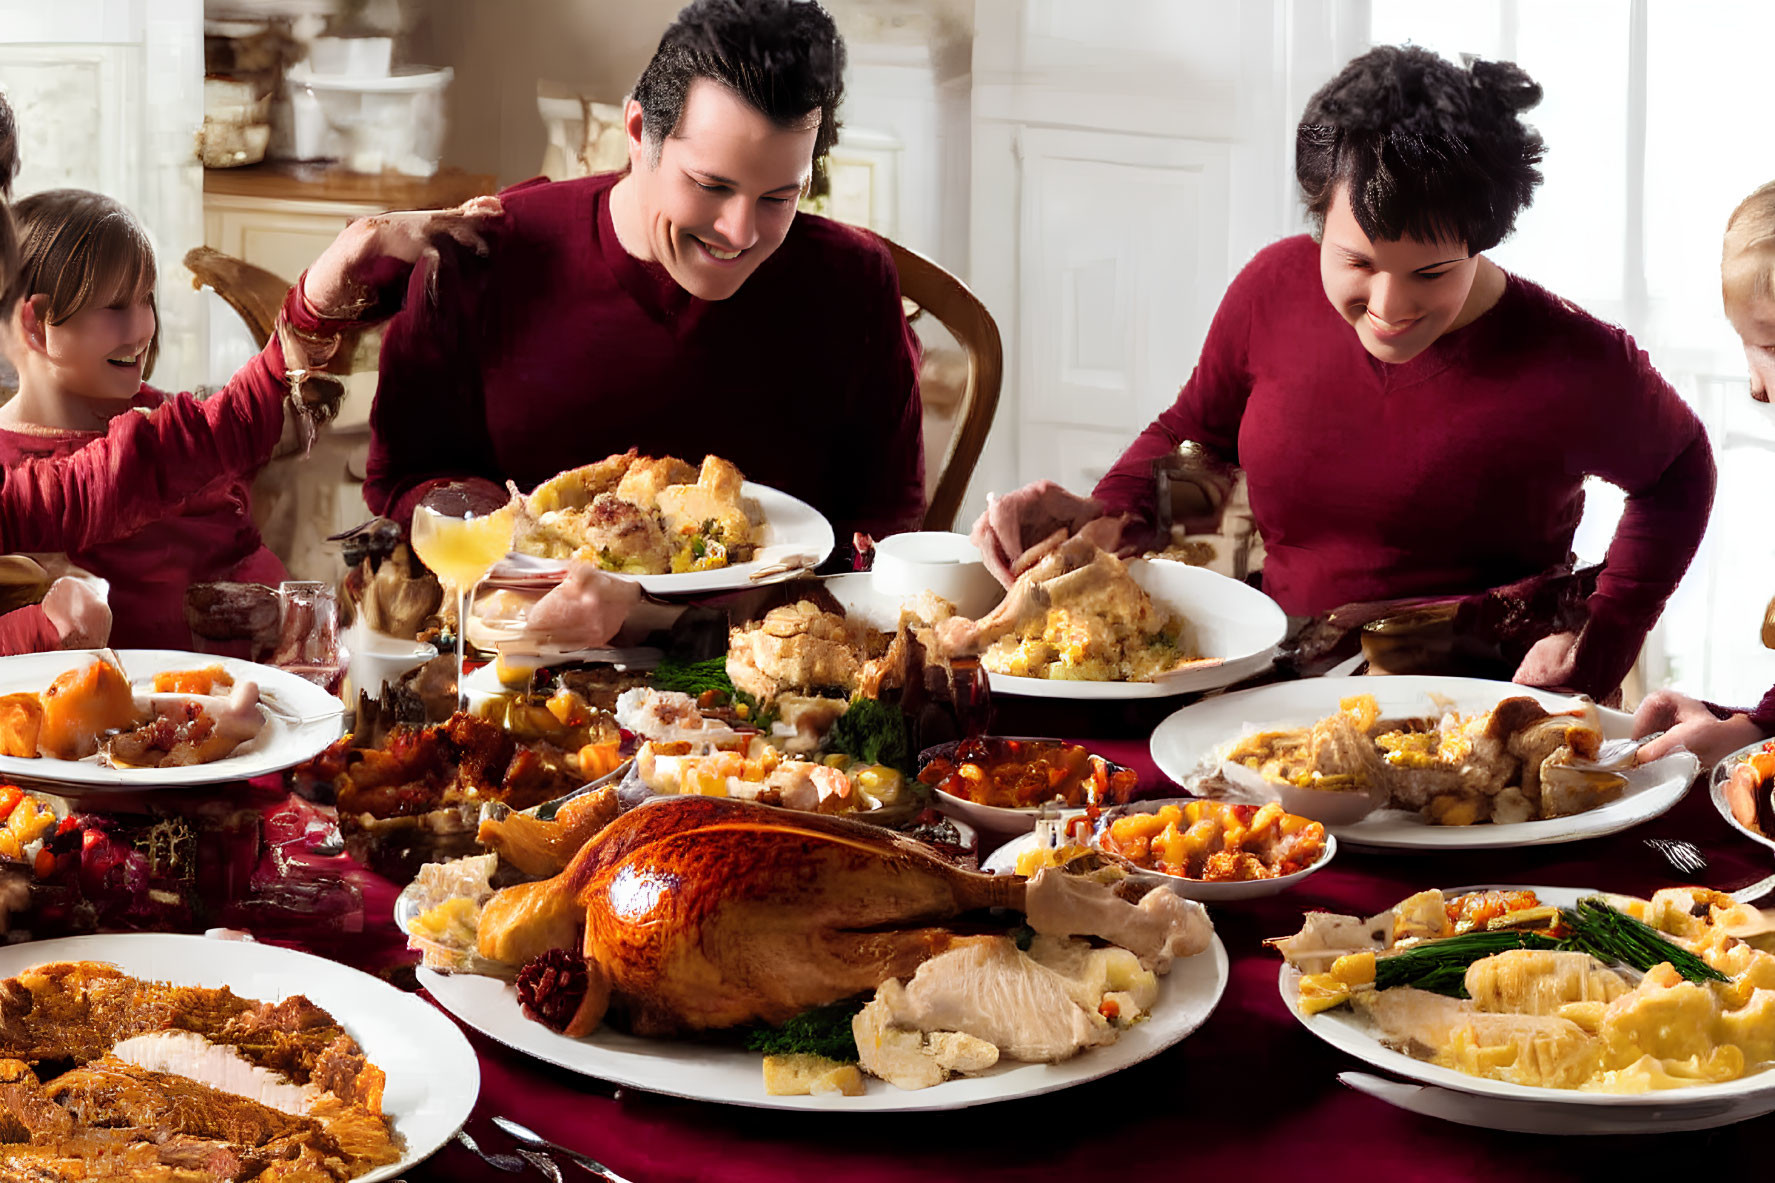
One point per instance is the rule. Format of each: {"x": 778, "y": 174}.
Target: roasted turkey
{"x": 696, "y": 913}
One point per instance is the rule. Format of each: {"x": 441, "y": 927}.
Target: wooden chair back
{"x": 255, "y": 293}
{"x": 942, "y": 295}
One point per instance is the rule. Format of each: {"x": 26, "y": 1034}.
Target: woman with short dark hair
{"x": 1412, "y": 420}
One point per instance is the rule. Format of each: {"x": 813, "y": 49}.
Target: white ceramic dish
{"x": 791, "y": 529}
{"x": 1231, "y": 621}
{"x": 1003, "y": 819}
{"x": 1717, "y": 791}
{"x": 1003, "y": 861}
{"x": 1349, "y": 1032}
{"x": 433, "y": 1075}
{"x": 997, "y": 819}
{"x": 1183, "y": 743}
{"x": 300, "y": 719}
{"x": 732, "y": 1076}
{"x": 946, "y": 563}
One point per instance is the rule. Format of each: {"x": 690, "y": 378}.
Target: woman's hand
{"x": 78, "y": 613}
{"x": 1550, "y": 663}
{"x": 1687, "y": 722}
{"x": 1039, "y": 516}
{"x": 584, "y": 612}
{"x": 335, "y": 285}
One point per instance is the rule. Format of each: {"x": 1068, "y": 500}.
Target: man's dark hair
{"x": 784, "y": 57}
{"x": 1429, "y": 150}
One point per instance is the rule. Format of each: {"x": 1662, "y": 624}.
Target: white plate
{"x": 1349, "y": 1032}
{"x": 1182, "y": 743}
{"x": 1230, "y": 620}
{"x": 1003, "y": 861}
{"x": 1717, "y": 790}
{"x": 301, "y": 719}
{"x": 706, "y": 1072}
{"x": 790, "y": 527}
{"x": 433, "y": 1076}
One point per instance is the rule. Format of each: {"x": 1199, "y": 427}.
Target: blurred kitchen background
{"x": 1096, "y": 170}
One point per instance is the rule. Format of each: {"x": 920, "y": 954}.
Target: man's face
{"x": 721, "y": 195}
{"x": 1398, "y": 296}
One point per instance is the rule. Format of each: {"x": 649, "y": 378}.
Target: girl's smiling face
{"x": 1398, "y": 296}
{"x": 100, "y": 352}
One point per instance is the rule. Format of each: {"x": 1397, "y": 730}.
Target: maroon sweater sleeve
{"x": 428, "y": 424}
{"x": 146, "y": 464}
{"x": 1208, "y": 408}
{"x": 1661, "y": 458}
{"x": 27, "y": 630}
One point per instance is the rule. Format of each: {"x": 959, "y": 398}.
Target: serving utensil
{"x": 543, "y": 1163}
{"x": 1686, "y": 857}
{"x": 783, "y": 566}
{"x": 530, "y": 1137}
{"x": 510, "y": 1163}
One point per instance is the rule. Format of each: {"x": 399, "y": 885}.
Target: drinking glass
{"x": 308, "y": 643}
{"x": 460, "y": 548}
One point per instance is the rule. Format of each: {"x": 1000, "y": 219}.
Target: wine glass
{"x": 460, "y": 548}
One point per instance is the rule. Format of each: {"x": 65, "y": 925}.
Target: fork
{"x": 543, "y": 1163}
{"x": 1686, "y": 857}
{"x": 503, "y": 1162}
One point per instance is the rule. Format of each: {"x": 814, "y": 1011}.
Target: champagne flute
{"x": 461, "y": 548}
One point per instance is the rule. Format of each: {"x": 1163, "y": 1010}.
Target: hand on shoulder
{"x": 335, "y": 285}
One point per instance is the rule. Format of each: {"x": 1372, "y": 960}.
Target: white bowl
{"x": 1003, "y": 861}
{"x": 1004, "y": 819}
{"x": 937, "y": 561}
{"x": 1329, "y": 807}
{"x": 377, "y": 658}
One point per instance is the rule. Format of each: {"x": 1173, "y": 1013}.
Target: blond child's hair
{"x": 1747, "y": 263}
{"x": 81, "y": 249}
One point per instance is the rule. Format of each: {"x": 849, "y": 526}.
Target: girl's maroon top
{"x": 1459, "y": 470}
{"x": 560, "y": 348}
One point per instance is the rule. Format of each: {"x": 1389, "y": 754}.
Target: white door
{"x": 1122, "y": 259}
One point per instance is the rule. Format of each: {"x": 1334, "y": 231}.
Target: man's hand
{"x": 78, "y": 613}
{"x": 1550, "y": 663}
{"x": 334, "y": 286}
{"x": 584, "y": 612}
{"x": 1686, "y": 722}
{"x": 1041, "y": 513}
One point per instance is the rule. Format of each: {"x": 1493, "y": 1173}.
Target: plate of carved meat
{"x": 187, "y": 1066}
{"x": 699, "y": 915}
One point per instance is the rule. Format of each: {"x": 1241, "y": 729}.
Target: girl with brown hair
{"x": 154, "y": 502}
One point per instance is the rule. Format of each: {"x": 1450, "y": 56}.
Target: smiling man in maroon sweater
{"x": 681, "y": 307}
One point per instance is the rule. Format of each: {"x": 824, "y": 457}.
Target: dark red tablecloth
{"x": 1250, "y": 1095}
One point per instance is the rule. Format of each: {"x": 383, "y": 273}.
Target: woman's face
{"x": 1398, "y": 296}
{"x": 1755, "y": 324}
